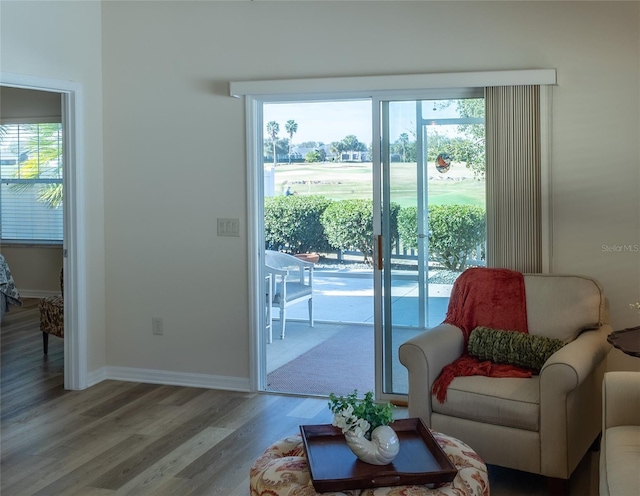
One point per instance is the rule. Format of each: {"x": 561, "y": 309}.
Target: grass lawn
{"x": 340, "y": 181}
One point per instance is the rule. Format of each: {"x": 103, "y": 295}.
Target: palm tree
{"x": 291, "y": 127}
{"x": 273, "y": 128}
{"x": 337, "y": 147}
{"x": 45, "y": 150}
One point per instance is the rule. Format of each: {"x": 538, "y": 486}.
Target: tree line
{"x": 466, "y": 147}
{"x": 275, "y": 147}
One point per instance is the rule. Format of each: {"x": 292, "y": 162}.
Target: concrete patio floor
{"x": 345, "y": 298}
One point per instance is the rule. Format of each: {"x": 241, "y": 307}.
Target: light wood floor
{"x": 130, "y": 438}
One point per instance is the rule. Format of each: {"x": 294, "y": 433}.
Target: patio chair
{"x": 292, "y": 282}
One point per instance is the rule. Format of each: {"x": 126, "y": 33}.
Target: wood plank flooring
{"x": 126, "y": 438}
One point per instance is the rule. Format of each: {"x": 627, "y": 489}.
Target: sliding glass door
{"x": 431, "y": 198}
{"x": 388, "y": 197}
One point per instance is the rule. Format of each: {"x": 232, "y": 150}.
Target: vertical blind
{"x": 31, "y": 190}
{"x": 513, "y": 178}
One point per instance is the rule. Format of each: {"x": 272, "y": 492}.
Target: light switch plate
{"x": 228, "y": 227}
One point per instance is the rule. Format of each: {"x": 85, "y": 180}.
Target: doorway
{"x": 74, "y": 248}
{"x": 424, "y": 160}
{"x": 317, "y": 163}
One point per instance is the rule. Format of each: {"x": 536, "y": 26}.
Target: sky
{"x": 323, "y": 121}
{"x": 334, "y": 120}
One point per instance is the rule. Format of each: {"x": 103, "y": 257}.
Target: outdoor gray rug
{"x": 339, "y": 365}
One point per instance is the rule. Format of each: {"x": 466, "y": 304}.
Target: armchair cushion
{"x": 576, "y": 303}
{"x": 514, "y": 348}
{"x": 508, "y": 401}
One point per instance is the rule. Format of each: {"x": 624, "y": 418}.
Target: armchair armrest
{"x": 308, "y": 269}
{"x": 570, "y": 396}
{"x": 277, "y": 272}
{"x": 567, "y": 368}
{"x": 425, "y": 355}
{"x": 289, "y": 267}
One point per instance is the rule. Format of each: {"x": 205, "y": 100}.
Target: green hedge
{"x": 348, "y": 225}
{"x": 303, "y": 224}
{"x": 408, "y": 227}
{"x": 292, "y": 223}
{"x": 454, "y": 232}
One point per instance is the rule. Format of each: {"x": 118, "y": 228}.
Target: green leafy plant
{"x": 408, "y": 227}
{"x": 454, "y": 232}
{"x": 45, "y": 162}
{"x": 348, "y": 225}
{"x": 292, "y": 223}
{"x": 359, "y": 415}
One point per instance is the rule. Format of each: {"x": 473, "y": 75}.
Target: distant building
{"x": 354, "y": 156}
{"x": 300, "y": 152}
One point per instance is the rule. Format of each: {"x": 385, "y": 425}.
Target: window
{"x": 31, "y": 190}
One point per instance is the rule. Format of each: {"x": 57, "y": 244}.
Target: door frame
{"x": 381, "y": 87}
{"x": 74, "y": 242}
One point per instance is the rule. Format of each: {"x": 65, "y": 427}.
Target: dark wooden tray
{"x": 334, "y": 467}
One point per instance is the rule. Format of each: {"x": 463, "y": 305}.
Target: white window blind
{"x": 31, "y": 189}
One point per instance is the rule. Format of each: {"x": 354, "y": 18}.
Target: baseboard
{"x": 37, "y": 293}
{"x": 130, "y": 374}
{"x": 96, "y": 376}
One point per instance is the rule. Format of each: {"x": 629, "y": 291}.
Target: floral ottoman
{"x": 282, "y": 470}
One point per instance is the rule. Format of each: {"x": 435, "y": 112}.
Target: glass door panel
{"x": 432, "y": 169}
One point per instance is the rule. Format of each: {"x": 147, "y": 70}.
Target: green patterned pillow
{"x": 511, "y": 347}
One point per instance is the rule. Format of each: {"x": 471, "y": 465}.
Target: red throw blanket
{"x": 484, "y": 297}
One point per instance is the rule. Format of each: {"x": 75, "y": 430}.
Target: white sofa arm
{"x": 425, "y": 355}
{"x": 620, "y": 447}
{"x": 621, "y": 399}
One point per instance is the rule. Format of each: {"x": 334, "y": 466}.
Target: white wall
{"x": 62, "y": 41}
{"x": 174, "y": 141}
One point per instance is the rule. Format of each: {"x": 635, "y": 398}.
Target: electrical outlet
{"x": 156, "y": 323}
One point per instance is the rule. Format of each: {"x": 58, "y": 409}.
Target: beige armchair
{"x": 543, "y": 424}
{"x": 620, "y": 446}
{"x": 292, "y": 282}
